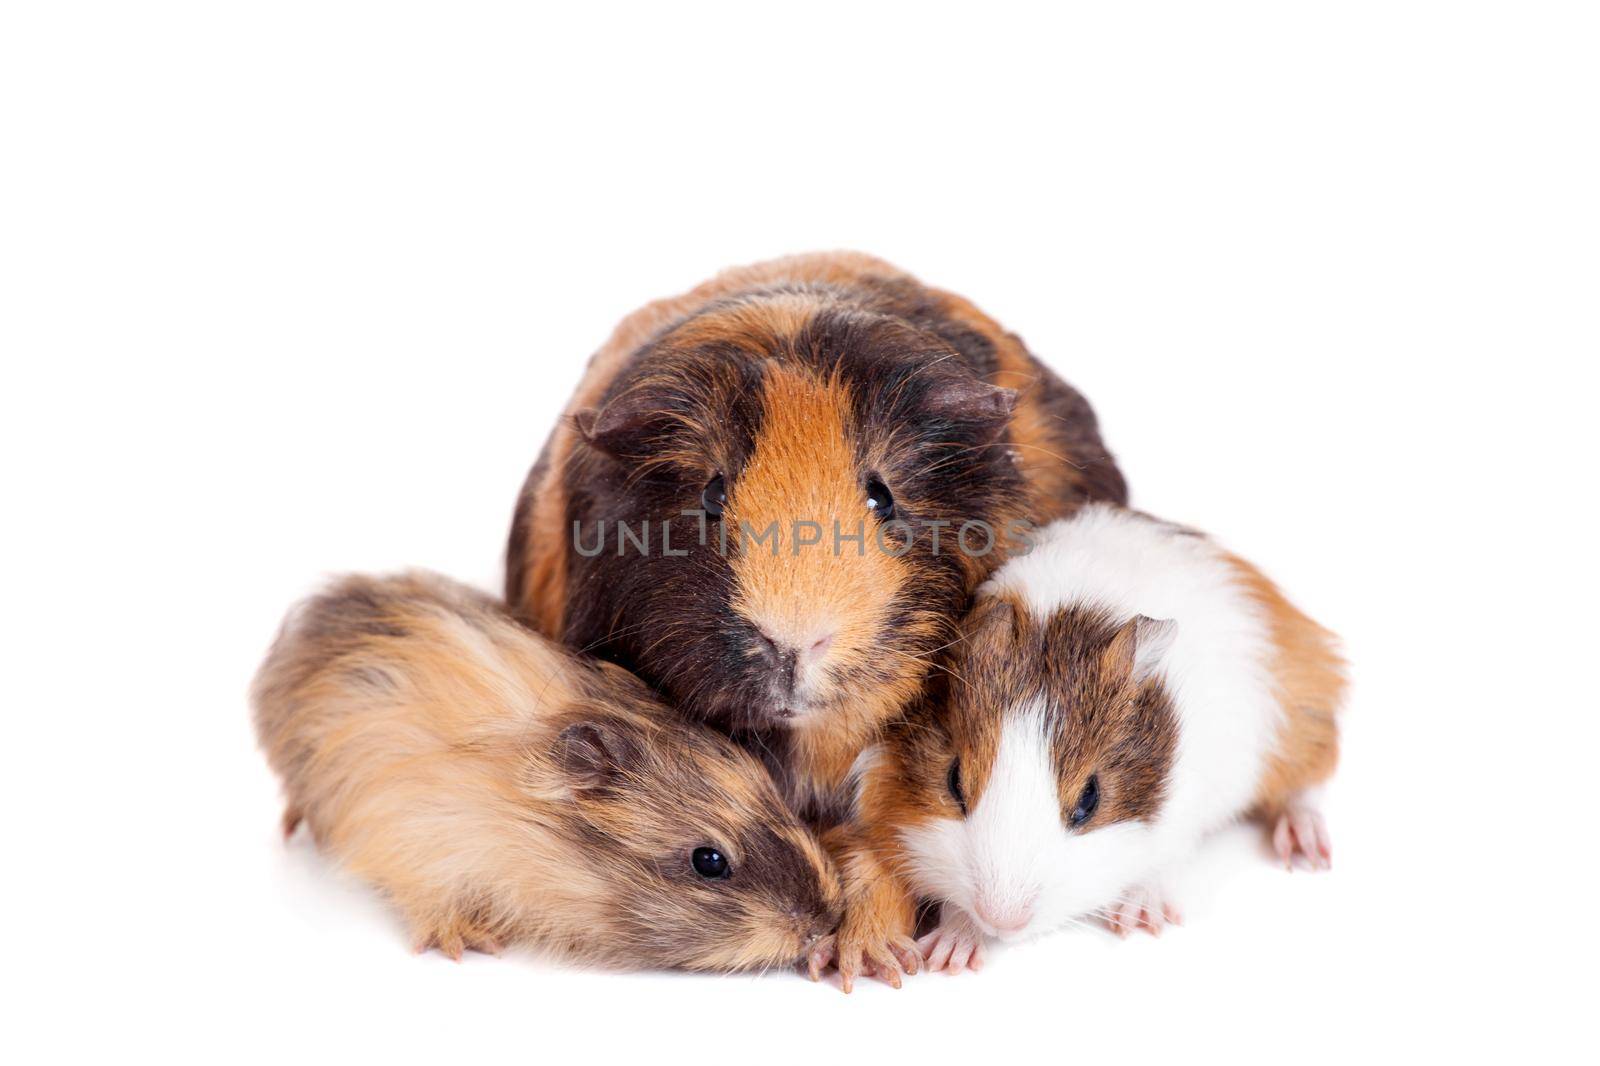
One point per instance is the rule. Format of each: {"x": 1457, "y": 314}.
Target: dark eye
{"x": 709, "y": 863}
{"x": 879, "y": 500}
{"x": 714, "y": 496}
{"x": 1084, "y": 809}
{"x": 953, "y": 782}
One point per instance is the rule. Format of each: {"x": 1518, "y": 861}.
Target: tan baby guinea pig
{"x": 499, "y": 789}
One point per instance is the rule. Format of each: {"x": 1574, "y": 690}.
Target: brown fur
{"x": 902, "y": 787}
{"x": 1053, "y": 429}
{"x": 1310, "y": 680}
{"x": 880, "y": 917}
{"x": 499, "y": 789}
{"x": 785, "y": 378}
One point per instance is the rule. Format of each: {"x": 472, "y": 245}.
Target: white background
{"x": 290, "y": 289}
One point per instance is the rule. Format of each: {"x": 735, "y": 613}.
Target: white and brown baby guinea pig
{"x": 820, "y": 403}
{"x": 1121, "y": 690}
{"x": 499, "y": 789}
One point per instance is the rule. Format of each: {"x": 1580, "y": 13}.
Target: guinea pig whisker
{"x": 649, "y": 649}
{"x": 935, "y": 651}
{"x": 765, "y": 747}
{"x": 1047, "y": 451}
{"x": 613, "y": 635}
{"x": 943, "y": 669}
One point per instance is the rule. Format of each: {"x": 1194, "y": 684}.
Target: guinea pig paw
{"x": 453, "y": 937}
{"x": 888, "y": 958}
{"x": 955, "y": 945}
{"x": 821, "y": 956}
{"x": 1145, "y": 907}
{"x": 906, "y": 953}
{"x": 446, "y": 944}
{"x": 1300, "y": 831}
{"x": 869, "y": 961}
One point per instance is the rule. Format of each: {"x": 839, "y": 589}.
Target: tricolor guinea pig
{"x": 1121, "y": 690}
{"x": 773, "y": 496}
{"x": 499, "y": 789}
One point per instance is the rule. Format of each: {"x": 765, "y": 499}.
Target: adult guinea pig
{"x": 772, "y": 497}
{"x": 499, "y": 789}
{"x": 1121, "y": 690}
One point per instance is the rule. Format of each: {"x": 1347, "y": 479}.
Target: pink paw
{"x": 1143, "y": 907}
{"x": 1301, "y": 831}
{"x": 956, "y": 944}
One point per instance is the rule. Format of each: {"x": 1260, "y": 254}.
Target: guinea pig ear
{"x": 1139, "y": 646}
{"x": 967, "y": 398}
{"x": 622, "y": 426}
{"x": 595, "y": 753}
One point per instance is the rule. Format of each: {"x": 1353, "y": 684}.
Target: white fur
{"x": 1013, "y": 849}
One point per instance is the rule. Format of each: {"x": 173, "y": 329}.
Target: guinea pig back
{"x": 499, "y": 789}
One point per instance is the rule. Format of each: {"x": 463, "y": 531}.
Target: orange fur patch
{"x": 796, "y": 591}
{"x": 1309, "y": 676}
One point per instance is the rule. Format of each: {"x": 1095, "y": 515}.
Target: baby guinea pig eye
{"x": 1087, "y": 803}
{"x": 710, "y": 863}
{"x": 953, "y": 783}
{"x": 714, "y": 496}
{"x": 879, "y": 500}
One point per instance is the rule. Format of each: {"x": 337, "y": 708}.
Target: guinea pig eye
{"x": 953, "y": 783}
{"x": 1084, "y": 809}
{"x": 879, "y": 500}
{"x": 709, "y": 863}
{"x": 714, "y": 496}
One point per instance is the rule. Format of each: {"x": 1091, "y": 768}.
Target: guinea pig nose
{"x": 782, "y": 657}
{"x": 817, "y": 926}
{"x": 820, "y": 647}
{"x": 1005, "y": 919}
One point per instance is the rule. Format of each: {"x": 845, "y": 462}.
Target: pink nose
{"x": 781, "y": 649}
{"x": 1006, "y": 920}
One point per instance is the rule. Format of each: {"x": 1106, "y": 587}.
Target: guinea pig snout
{"x": 792, "y": 658}
{"x": 1004, "y": 915}
{"x": 811, "y": 924}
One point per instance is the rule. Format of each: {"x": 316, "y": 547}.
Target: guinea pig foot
{"x": 821, "y": 957}
{"x": 453, "y": 947}
{"x": 889, "y": 959}
{"x": 450, "y": 947}
{"x": 955, "y": 945}
{"x": 1301, "y": 831}
{"x": 876, "y": 960}
{"x": 907, "y": 954}
{"x": 1145, "y": 907}
{"x": 453, "y": 937}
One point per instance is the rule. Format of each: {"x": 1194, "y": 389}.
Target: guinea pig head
{"x": 833, "y": 483}
{"x": 702, "y": 865}
{"x": 1047, "y": 778}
